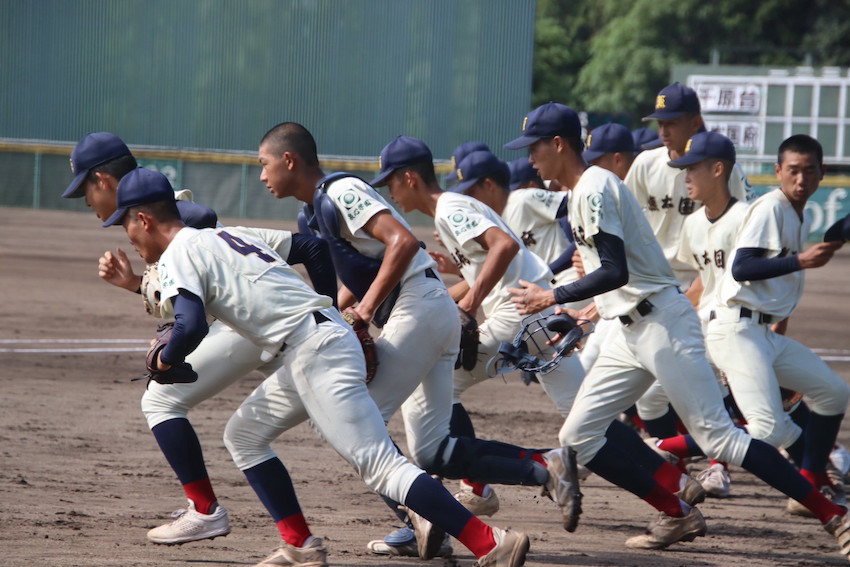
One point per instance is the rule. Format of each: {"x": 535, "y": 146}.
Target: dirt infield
{"x": 82, "y": 479}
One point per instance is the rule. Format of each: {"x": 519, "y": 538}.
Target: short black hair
{"x": 424, "y": 169}
{"x": 800, "y": 144}
{"x": 160, "y": 210}
{"x": 117, "y": 167}
{"x": 292, "y": 137}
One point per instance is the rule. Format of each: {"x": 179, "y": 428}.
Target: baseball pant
{"x": 221, "y": 359}
{"x": 667, "y": 344}
{"x": 757, "y": 362}
{"x": 321, "y": 379}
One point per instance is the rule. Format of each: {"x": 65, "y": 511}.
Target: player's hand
{"x": 445, "y": 265}
{"x": 117, "y": 270}
{"x": 818, "y": 255}
{"x": 578, "y": 264}
{"x": 531, "y": 298}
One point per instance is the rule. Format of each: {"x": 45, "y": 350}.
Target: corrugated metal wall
{"x": 219, "y": 73}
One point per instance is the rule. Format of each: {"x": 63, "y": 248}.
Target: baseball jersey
{"x": 660, "y": 190}
{"x": 531, "y": 214}
{"x": 357, "y": 202}
{"x": 242, "y": 282}
{"x": 771, "y": 223}
{"x": 707, "y": 246}
{"x": 459, "y": 219}
{"x": 600, "y": 202}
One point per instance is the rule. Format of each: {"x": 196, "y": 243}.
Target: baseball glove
{"x": 468, "y": 355}
{"x": 150, "y": 290}
{"x": 361, "y": 329}
{"x": 179, "y": 373}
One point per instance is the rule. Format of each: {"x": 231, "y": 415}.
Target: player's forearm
{"x": 751, "y": 265}
{"x": 190, "y": 327}
{"x": 499, "y": 257}
{"x": 397, "y": 257}
{"x": 613, "y": 272}
{"x": 315, "y": 255}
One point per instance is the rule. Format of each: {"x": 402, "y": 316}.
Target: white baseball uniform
{"x": 221, "y": 359}
{"x": 756, "y": 360}
{"x": 459, "y": 219}
{"x": 419, "y": 343}
{"x": 246, "y": 285}
{"x": 661, "y": 339}
{"x": 663, "y": 196}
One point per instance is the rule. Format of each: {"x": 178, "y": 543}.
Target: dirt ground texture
{"x": 82, "y": 480}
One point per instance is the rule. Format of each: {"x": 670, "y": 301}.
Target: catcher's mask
{"x": 531, "y": 349}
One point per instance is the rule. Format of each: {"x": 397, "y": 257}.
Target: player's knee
{"x": 776, "y": 433}
{"x": 157, "y": 408}
{"x": 833, "y": 401}
{"x": 247, "y": 449}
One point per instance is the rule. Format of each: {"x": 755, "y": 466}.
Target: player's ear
{"x": 289, "y": 159}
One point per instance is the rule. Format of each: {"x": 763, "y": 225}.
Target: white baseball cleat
{"x": 667, "y": 530}
{"x": 510, "y": 551}
{"x": 191, "y": 525}
{"x": 839, "y": 527}
{"x": 312, "y": 554}
{"x": 716, "y": 481}
{"x": 478, "y": 505}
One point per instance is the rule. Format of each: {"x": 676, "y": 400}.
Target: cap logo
{"x": 453, "y": 162}
{"x": 459, "y": 175}
{"x": 380, "y": 164}
{"x": 661, "y": 101}
{"x": 589, "y": 137}
{"x": 71, "y": 160}
{"x": 524, "y": 123}
{"x": 688, "y": 145}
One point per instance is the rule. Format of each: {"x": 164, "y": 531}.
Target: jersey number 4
{"x": 243, "y": 247}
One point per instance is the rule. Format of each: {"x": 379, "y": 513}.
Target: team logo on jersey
{"x": 578, "y": 236}
{"x": 353, "y": 203}
{"x": 720, "y": 258}
{"x": 686, "y": 205}
{"x": 166, "y": 281}
{"x": 595, "y": 203}
{"x": 543, "y": 196}
{"x": 528, "y": 238}
{"x": 661, "y": 101}
{"x": 461, "y": 222}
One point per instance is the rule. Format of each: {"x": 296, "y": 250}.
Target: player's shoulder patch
{"x": 460, "y": 221}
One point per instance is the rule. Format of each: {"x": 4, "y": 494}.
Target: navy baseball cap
{"x": 673, "y": 101}
{"x": 646, "y": 139}
{"x": 705, "y": 145}
{"x": 608, "y": 139}
{"x": 401, "y": 152}
{"x": 840, "y": 231}
{"x": 461, "y": 152}
{"x": 522, "y": 172}
{"x": 477, "y": 166}
{"x": 547, "y": 121}
{"x": 140, "y": 187}
{"x": 93, "y": 150}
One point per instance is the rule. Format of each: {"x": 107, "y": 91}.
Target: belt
{"x": 763, "y": 318}
{"x": 643, "y": 308}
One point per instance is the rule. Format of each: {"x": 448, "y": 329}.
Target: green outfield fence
{"x": 35, "y": 173}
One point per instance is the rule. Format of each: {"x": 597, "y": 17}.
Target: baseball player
{"x": 660, "y": 190}
{"x": 658, "y": 337}
{"x": 458, "y": 154}
{"x": 490, "y": 257}
{"x": 397, "y": 289}
{"x": 645, "y": 139}
{"x": 226, "y": 273}
{"x": 99, "y": 161}
{"x": 762, "y": 287}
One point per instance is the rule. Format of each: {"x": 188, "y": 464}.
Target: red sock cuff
{"x": 294, "y": 530}
{"x": 477, "y": 537}
{"x": 201, "y": 493}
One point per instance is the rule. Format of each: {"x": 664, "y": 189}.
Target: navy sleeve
{"x": 751, "y": 265}
{"x": 613, "y": 273}
{"x": 563, "y": 261}
{"x": 197, "y": 216}
{"x": 562, "y": 210}
{"x": 314, "y": 253}
{"x": 190, "y": 327}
